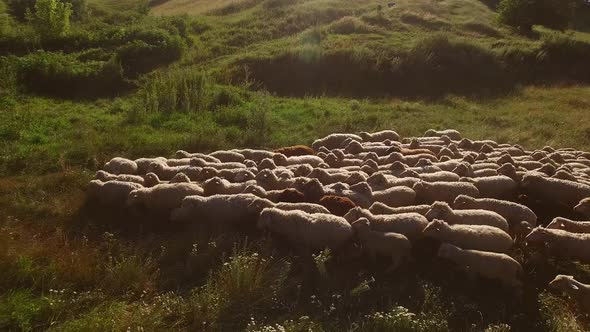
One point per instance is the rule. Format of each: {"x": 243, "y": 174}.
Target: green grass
{"x": 68, "y": 266}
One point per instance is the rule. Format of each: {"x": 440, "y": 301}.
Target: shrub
{"x": 61, "y": 75}
{"x": 51, "y": 18}
{"x": 523, "y": 14}
{"x": 18, "y": 8}
{"x": 147, "y": 50}
{"x": 401, "y": 319}
{"x": 349, "y": 25}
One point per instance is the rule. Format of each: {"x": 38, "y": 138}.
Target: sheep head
{"x": 354, "y": 214}
{"x": 438, "y": 210}
{"x": 361, "y": 225}
{"x": 463, "y": 201}
{"x": 280, "y": 159}
{"x": 371, "y": 163}
{"x": 243, "y": 176}
{"x": 214, "y": 185}
{"x": 435, "y": 227}
{"x": 398, "y": 166}
{"x": 255, "y": 190}
{"x": 303, "y": 170}
{"x": 583, "y": 207}
{"x": 548, "y": 169}
{"x": 409, "y": 174}
{"x": 265, "y": 220}
{"x": 258, "y": 205}
{"x": 355, "y": 177}
{"x": 102, "y": 175}
{"x": 250, "y": 163}
{"x": 180, "y": 178}
{"x": 538, "y": 155}
{"x": 564, "y": 282}
{"x": 136, "y": 197}
{"x": 505, "y": 158}
{"x": 365, "y": 136}
{"x": 466, "y": 143}
{"x": 362, "y": 188}
{"x": 480, "y": 157}
{"x": 557, "y": 223}
{"x": 198, "y": 162}
{"x": 538, "y": 234}
{"x": 354, "y": 147}
{"x": 182, "y": 154}
{"x": 422, "y": 162}
{"x": 267, "y": 163}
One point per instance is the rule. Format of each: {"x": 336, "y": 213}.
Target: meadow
{"x": 136, "y": 79}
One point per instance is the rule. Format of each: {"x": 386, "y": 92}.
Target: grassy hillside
{"x": 135, "y": 79}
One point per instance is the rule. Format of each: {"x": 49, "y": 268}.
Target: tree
{"x": 51, "y": 18}
{"x": 523, "y": 14}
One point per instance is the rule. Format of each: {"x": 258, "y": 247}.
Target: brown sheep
{"x": 297, "y": 150}
{"x": 291, "y": 196}
{"x": 337, "y": 205}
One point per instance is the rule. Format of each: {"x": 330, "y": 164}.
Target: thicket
{"x": 434, "y": 66}
{"x": 523, "y": 14}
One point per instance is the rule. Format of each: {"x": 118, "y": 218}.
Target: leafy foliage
{"x": 51, "y": 18}
{"x": 523, "y": 14}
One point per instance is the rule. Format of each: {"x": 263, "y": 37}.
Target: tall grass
{"x": 180, "y": 90}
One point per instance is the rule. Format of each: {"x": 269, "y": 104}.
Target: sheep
{"x": 181, "y": 154}
{"x": 270, "y": 181}
{"x": 105, "y": 176}
{"x": 356, "y": 177}
{"x": 563, "y": 243}
{"x": 441, "y": 176}
{"x": 468, "y": 144}
{"x": 255, "y": 155}
{"x": 583, "y": 207}
{"x": 359, "y": 193}
{"x": 514, "y": 213}
{"x": 311, "y": 208}
{"x": 302, "y": 170}
{"x": 297, "y": 150}
{"x": 475, "y": 237}
{"x": 290, "y": 195}
{"x": 337, "y": 205}
{"x": 357, "y": 148}
{"x": 443, "y": 191}
{"x": 574, "y": 288}
{"x": 163, "y": 197}
{"x": 451, "y": 133}
{"x": 380, "y": 181}
{"x": 380, "y": 136}
{"x": 119, "y": 165}
{"x": 410, "y": 160}
{"x": 311, "y": 189}
{"x": 334, "y": 161}
{"x": 569, "y": 225}
{"x": 165, "y": 172}
{"x": 334, "y": 141}
{"x": 327, "y": 178}
{"x": 410, "y": 224}
{"x": 111, "y": 192}
{"x": 380, "y": 208}
{"x": 282, "y": 160}
{"x": 511, "y": 171}
{"x": 221, "y": 209}
{"x": 218, "y": 185}
{"x": 228, "y": 156}
{"x": 394, "y": 196}
{"x": 310, "y": 231}
{"x": 490, "y": 265}
{"x": 266, "y": 163}
{"x": 499, "y": 186}
{"x": 389, "y": 244}
{"x": 442, "y": 211}
{"x": 563, "y": 191}
{"x": 232, "y": 175}
{"x": 203, "y": 163}
{"x": 178, "y": 162}
{"x": 144, "y": 163}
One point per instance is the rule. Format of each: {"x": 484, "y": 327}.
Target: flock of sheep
{"x": 380, "y": 191}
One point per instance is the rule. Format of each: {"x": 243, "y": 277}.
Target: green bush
{"x": 62, "y": 75}
{"x": 51, "y": 18}
{"x": 147, "y": 50}
{"x": 523, "y": 14}
{"x": 18, "y": 8}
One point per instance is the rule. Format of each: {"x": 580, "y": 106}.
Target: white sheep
{"x": 380, "y": 208}
{"x": 514, "y": 213}
{"x": 431, "y": 192}
{"x": 163, "y": 197}
{"x": 441, "y": 176}
{"x": 334, "y": 141}
{"x": 583, "y": 207}
{"x": 203, "y": 163}
{"x": 409, "y": 224}
{"x": 563, "y": 243}
{"x": 228, "y": 156}
{"x": 490, "y": 265}
{"x": 380, "y": 136}
{"x": 555, "y": 190}
{"x": 144, "y": 163}
{"x": 255, "y": 155}
{"x": 105, "y": 176}
{"x": 380, "y": 181}
{"x": 310, "y": 231}
{"x": 219, "y": 186}
{"x": 220, "y": 209}
{"x": 111, "y": 192}
{"x": 304, "y": 207}
{"x": 393, "y": 197}
{"x": 326, "y": 177}
{"x": 574, "y": 288}
{"x": 119, "y": 165}
{"x": 388, "y": 244}
{"x": 475, "y": 237}
{"x": 451, "y": 133}
{"x": 268, "y": 180}
{"x": 282, "y": 160}
{"x": 181, "y": 154}
{"x": 569, "y": 225}
{"x": 499, "y": 186}
{"x": 442, "y": 211}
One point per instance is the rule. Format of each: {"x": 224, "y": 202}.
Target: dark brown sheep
{"x": 337, "y": 205}
{"x": 297, "y": 150}
{"x": 291, "y": 196}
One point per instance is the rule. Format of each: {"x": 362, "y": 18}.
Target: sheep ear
{"x": 574, "y": 287}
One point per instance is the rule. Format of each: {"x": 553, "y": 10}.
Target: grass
{"x": 70, "y": 266}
